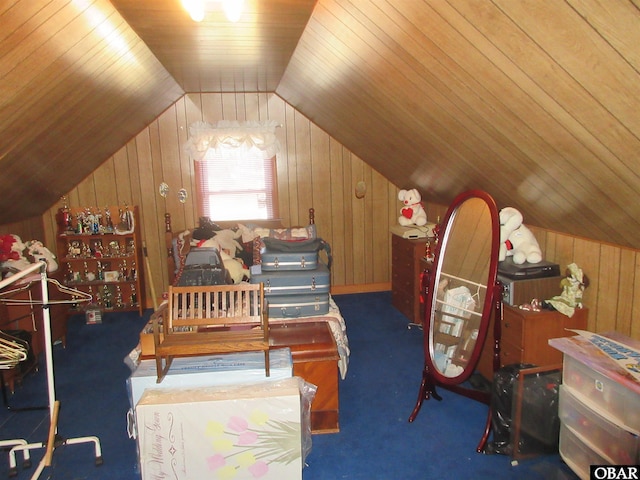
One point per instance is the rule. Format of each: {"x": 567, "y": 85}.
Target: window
{"x": 237, "y": 183}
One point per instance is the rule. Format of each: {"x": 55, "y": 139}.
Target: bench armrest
{"x": 157, "y": 320}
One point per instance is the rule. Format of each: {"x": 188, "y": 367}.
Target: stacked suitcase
{"x": 296, "y": 283}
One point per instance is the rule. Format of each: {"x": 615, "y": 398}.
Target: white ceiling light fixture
{"x": 233, "y": 9}
{"x": 197, "y": 9}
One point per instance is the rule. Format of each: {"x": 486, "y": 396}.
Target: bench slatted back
{"x": 217, "y": 305}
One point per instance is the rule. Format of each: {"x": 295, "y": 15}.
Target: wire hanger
{"x": 12, "y": 351}
{"x": 77, "y": 296}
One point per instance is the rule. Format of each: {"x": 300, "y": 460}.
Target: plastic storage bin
{"x": 577, "y": 454}
{"x": 610, "y": 398}
{"x": 605, "y": 438}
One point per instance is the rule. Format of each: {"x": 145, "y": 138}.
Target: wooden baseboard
{"x": 365, "y": 288}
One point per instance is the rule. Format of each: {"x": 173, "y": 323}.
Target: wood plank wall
{"x": 29, "y": 229}
{"x": 313, "y": 170}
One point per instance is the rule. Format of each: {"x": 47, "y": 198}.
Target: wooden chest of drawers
{"x": 525, "y": 337}
{"x": 406, "y": 266}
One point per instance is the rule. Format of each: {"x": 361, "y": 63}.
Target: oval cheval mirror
{"x": 461, "y": 296}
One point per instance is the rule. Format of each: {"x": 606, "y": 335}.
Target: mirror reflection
{"x": 461, "y": 287}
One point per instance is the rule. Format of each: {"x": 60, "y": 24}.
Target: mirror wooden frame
{"x": 431, "y": 375}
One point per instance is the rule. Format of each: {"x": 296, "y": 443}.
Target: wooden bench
{"x": 209, "y": 320}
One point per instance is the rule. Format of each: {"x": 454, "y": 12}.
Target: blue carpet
{"x": 376, "y": 398}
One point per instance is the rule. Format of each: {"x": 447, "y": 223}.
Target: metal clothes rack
{"x": 53, "y": 440}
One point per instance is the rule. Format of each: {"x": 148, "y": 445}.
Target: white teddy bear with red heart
{"x": 516, "y": 240}
{"x": 412, "y": 211}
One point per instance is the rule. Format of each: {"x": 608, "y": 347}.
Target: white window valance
{"x": 204, "y": 136}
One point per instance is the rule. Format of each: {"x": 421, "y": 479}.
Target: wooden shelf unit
{"x": 107, "y": 265}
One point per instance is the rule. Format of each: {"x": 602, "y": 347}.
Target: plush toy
{"x": 235, "y": 268}
{"x": 516, "y": 239}
{"x": 224, "y": 241}
{"x": 39, "y": 252}
{"x": 10, "y": 247}
{"x": 15, "y": 255}
{"x": 412, "y": 212}
{"x": 573, "y": 286}
{"x": 247, "y": 234}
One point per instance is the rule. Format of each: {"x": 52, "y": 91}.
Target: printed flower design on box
{"x": 239, "y": 447}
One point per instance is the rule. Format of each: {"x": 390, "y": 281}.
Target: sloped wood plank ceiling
{"x": 76, "y": 83}
{"x": 535, "y": 101}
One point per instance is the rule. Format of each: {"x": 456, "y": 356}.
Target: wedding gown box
{"x": 212, "y": 370}
{"x": 206, "y": 371}
{"x": 236, "y": 431}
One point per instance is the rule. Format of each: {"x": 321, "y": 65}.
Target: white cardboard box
{"x": 189, "y": 372}
{"x": 237, "y": 431}
{"x": 208, "y": 371}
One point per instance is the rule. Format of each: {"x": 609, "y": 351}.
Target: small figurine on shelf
{"x": 97, "y": 249}
{"x": 100, "y": 271}
{"x": 95, "y": 224}
{"x": 123, "y": 270}
{"x": 70, "y": 274}
{"x": 107, "y": 297}
{"x": 119, "y": 303}
{"x": 99, "y": 227}
{"x": 133, "y": 274}
{"x": 108, "y": 222}
{"x": 87, "y": 221}
{"x": 134, "y": 295}
{"x": 86, "y": 250}
{"x": 114, "y": 249}
{"x": 65, "y": 220}
{"x": 88, "y": 276}
{"x": 127, "y": 223}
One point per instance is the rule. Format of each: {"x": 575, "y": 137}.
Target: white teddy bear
{"x": 224, "y": 241}
{"x": 235, "y": 268}
{"x": 516, "y": 239}
{"x": 41, "y": 253}
{"x": 412, "y": 212}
